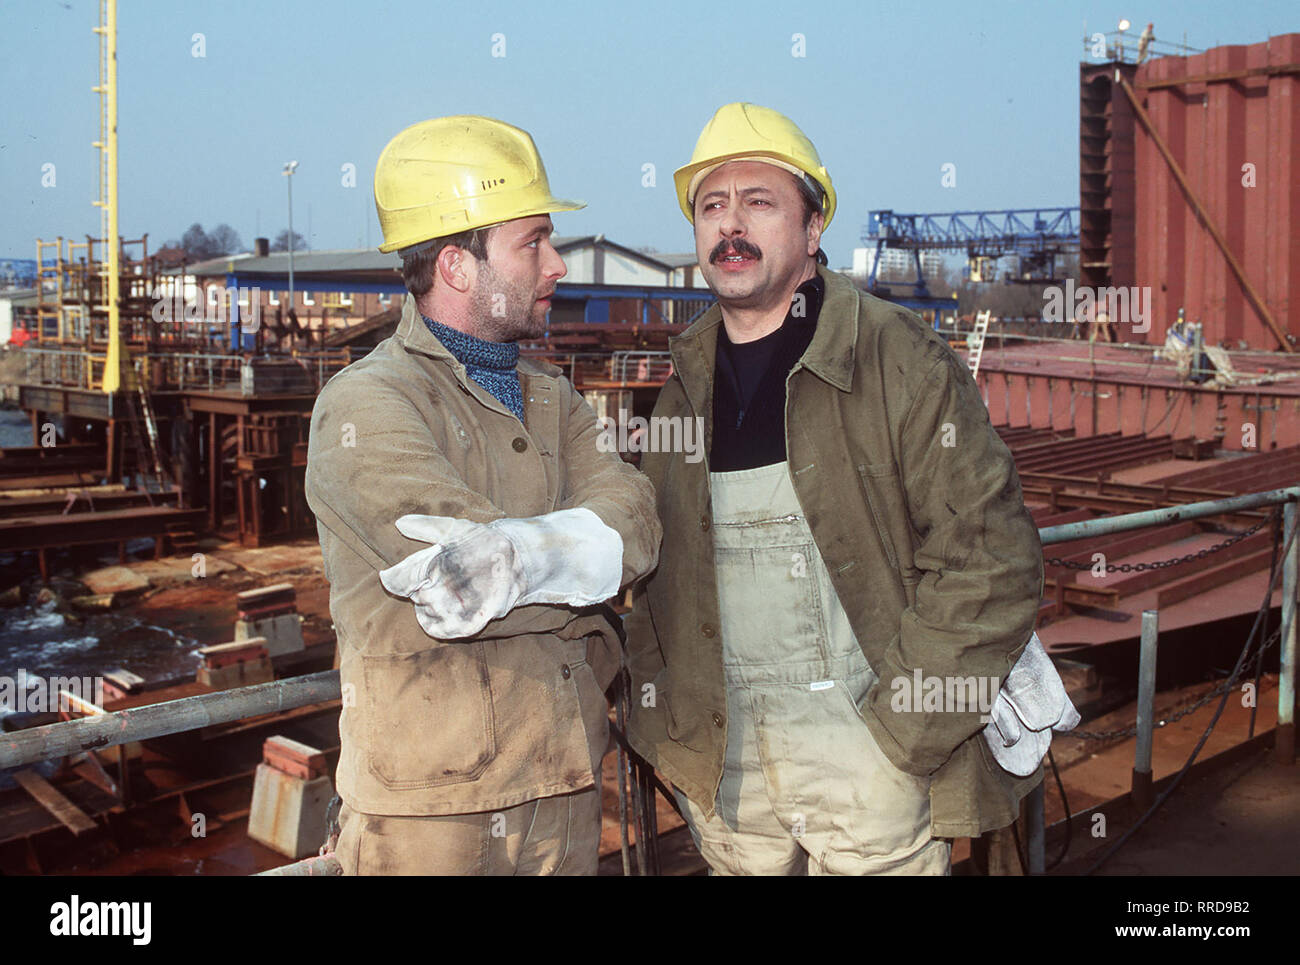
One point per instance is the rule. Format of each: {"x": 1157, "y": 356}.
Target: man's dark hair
{"x": 812, "y": 195}
{"x": 417, "y": 266}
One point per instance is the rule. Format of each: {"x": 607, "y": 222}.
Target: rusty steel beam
{"x": 1117, "y": 460}
{"x": 1084, "y": 595}
{"x": 1107, "y": 487}
{"x": 1149, "y": 578}
{"x": 1255, "y": 474}
{"x": 1047, "y": 516}
{"x": 1111, "y": 457}
{"x": 58, "y": 502}
{"x": 1119, "y": 544}
{"x": 22, "y": 747}
{"x": 1208, "y": 580}
{"x": 43, "y": 532}
{"x": 1272, "y": 70}
{"x": 1049, "y": 446}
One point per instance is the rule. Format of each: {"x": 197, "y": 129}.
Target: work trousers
{"x": 805, "y": 789}
{"x": 557, "y": 835}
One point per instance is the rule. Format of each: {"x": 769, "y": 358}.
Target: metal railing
{"x": 167, "y": 371}
{"x": 635, "y": 366}
{"x": 323, "y": 365}
{"x": 76, "y": 369}
{"x": 1285, "y": 746}
{"x": 189, "y": 713}
{"x": 193, "y": 370}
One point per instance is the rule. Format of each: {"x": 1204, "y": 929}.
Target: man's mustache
{"x": 737, "y": 247}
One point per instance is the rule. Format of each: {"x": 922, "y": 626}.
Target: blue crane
{"x": 1036, "y": 235}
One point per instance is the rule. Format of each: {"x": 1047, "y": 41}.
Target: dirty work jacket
{"x": 434, "y": 727}
{"x": 915, "y": 506}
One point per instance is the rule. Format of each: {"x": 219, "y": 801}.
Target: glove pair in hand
{"x": 474, "y": 573}
{"x": 1031, "y": 703}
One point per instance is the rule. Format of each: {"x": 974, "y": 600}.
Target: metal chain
{"x": 1219, "y": 690}
{"x": 1161, "y": 564}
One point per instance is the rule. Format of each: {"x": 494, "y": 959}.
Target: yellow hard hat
{"x": 452, "y": 174}
{"x": 747, "y": 132}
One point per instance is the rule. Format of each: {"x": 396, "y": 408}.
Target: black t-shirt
{"x": 749, "y": 386}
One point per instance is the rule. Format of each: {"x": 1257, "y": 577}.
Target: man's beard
{"x": 505, "y": 312}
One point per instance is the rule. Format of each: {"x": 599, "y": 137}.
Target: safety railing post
{"x": 1141, "y": 787}
{"x": 1284, "y": 746}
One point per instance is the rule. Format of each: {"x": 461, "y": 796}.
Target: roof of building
{"x": 20, "y": 296}
{"x": 304, "y": 262}
{"x": 371, "y": 259}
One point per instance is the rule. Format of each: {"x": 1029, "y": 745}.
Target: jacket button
{"x": 565, "y": 672}
{"x": 707, "y": 629}
{"x": 520, "y": 444}
{"x": 717, "y": 720}
{"x": 704, "y": 523}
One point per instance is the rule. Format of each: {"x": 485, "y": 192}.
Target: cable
{"x": 1069, "y": 818}
{"x": 1164, "y": 795}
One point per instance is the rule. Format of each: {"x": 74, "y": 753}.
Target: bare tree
{"x": 282, "y": 241}
{"x": 224, "y": 240}
{"x": 199, "y": 244}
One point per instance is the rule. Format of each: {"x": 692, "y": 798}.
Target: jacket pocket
{"x": 686, "y": 736}
{"x": 429, "y": 718}
{"x": 888, "y": 507}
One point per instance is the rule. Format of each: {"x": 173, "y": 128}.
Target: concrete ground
{"x": 1242, "y": 819}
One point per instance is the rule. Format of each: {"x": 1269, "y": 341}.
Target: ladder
{"x": 975, "y": 342}
{"x": 151, "y": 427}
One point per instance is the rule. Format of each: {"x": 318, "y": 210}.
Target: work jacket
{"x": 916, "y": 508}
{"x": 517, "y": 711}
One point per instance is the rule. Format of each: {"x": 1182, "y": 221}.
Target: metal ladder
{"x": 975, "y": 342}
{"x": 151, "y": 426}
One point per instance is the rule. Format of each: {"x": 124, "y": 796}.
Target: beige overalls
{"x": 804, "y": 787}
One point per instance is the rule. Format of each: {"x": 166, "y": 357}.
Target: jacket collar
{"x": 830, "y": 356}
{"x": 416, "y": 337}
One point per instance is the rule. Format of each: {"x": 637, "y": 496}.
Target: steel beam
{"x": 169, "y": 717}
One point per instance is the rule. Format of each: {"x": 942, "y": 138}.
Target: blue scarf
{"x": 490, "y": 364}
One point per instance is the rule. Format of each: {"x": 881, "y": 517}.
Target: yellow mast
{"x": 107, "y": 203}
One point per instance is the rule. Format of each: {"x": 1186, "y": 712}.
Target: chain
{"x": 1205, "y": 698}
{"x": 1161, "y": 564}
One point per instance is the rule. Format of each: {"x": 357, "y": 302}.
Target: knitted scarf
{"x": 490, "y": 364}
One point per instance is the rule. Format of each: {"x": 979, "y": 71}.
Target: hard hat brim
{"x": 685, "y": 175}
{"x": 550, "y": 206}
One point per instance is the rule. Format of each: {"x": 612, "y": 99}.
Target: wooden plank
{"x": 48, "y": 796}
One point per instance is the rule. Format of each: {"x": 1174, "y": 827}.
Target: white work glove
{"x": 1031, "y": 703}
{"x": 476, "y": 572}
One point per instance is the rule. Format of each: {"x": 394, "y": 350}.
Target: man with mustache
{"x": 857, "y": 526}
{"x": 470, "y": 524}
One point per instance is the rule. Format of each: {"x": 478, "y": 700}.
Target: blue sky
{"x": 888, "y": 92}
